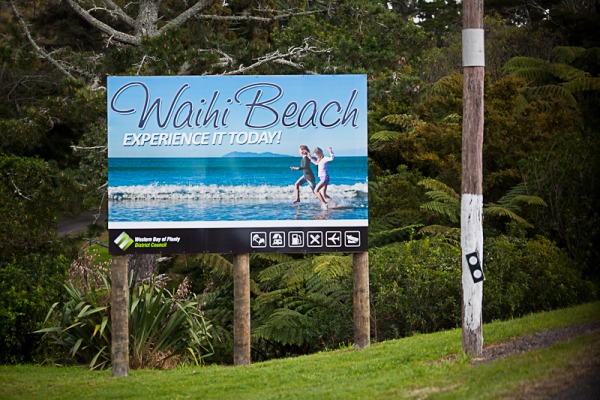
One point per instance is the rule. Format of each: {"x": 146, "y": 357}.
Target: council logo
{"x": 124, "y": 241}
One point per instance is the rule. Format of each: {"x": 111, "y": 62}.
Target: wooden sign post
{"x": 360, "y": 306}
{"x": 241, "y": 309}
{"x": 119, "y": 316}
{"x": 472, "y": 190}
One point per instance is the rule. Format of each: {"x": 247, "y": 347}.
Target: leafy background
{"x": 541, "y": 167}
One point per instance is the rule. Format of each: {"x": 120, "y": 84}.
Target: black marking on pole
{"x": 475, "y": 267}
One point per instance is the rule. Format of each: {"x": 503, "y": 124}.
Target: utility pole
{"x": 471, "y": 209}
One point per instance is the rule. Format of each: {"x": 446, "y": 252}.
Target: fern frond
{"x": 519, "y": 194}
{"x": 498, "y": 210}
{"x": 435, "y": 185}
{"x": 388, "y": 236}
{"x": 220, "y": 265}
{"x": 567, "y": 72}
{"x": 332, "y": 266}
{"x": 296, "y": 275}
{"x": 384, "y": 136}
{"x": 285, "y": 326}
{"x": 450, "y": 210}
{"x": 442, "y": 197}
{"x": 445, "y": 85}
{"x": 518, "y": 63}
{"x": 535, "y": 76}
{"x": 273, "y": 272}
{"x": 583, "y": 84}
{"x": 445, "y": 234}
{"x": 452, "y": 119}
{"x": 529, "y": 200}
{"x": 405, "y": 121}
{"x": 567, "y": 54}
{"x": 552, "y": 92}
{"x": 275, "y": 257}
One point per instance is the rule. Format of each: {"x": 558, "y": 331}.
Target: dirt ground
{"x": 581, "y": 381}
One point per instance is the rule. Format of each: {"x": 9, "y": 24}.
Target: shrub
{"x": 529, "y": 275}
{"x": 164, "y": 329}
{"x": 415, "y": 287}
{"x": 29, "y": 286}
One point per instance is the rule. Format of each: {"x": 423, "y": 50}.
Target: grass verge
{"x": 422, "y": 366}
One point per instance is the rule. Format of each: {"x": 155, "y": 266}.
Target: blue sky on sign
{"x": 213, "y": 116}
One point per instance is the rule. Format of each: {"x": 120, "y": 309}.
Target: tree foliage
{"x": 540, "y": 164}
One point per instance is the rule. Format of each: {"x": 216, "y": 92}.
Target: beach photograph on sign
{"x": 194, "y": 152}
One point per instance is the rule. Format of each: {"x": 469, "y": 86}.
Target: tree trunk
{"x": 143, "y": 267}
{"x": 146, "y": 23}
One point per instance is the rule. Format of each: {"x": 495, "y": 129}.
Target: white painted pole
{"x": 472, "y": 177}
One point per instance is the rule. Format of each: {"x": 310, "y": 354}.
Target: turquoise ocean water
{"x": 230, "y": 189}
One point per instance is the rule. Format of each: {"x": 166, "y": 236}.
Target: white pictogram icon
{"x": 352, "y": 238}
{"x": 333, "y": 239}
{"x": 296, "y": 239}
{"x": 315, "y": 239}
{"x": 277, "y": 239}
{"x": 258, "y": 239}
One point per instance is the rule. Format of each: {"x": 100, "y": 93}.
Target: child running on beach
{"x": 321, "y": 162}
{"x": 308, "y": 175}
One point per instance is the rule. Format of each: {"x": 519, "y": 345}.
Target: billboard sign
{"x": 210, "y": 164}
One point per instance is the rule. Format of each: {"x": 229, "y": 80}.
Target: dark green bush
{"x": 529, "y": 275}
{"x": 415, "y": 287}
{"x": 28, "y": 287}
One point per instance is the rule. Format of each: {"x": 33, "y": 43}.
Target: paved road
{"x": 78, "y": 223}
{"x": 587, "y": 388}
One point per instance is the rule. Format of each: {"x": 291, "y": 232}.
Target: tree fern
{"x": 567, "y": 54}
{"x": 553, "y": 80}
{"x": 535, "y": 76}
{"x": 566, "y": 72}
{"x": 383, "y": 136}
{"x": 435, "y": 185}
{"x": 518, "y": 63}
{"x": 405, "y": 122}
{"x": 445, "y": 200}
{"x": 510, "y": 204}
{"x": 387, "y": 236}
{"x": 332, "y": 266}
{"x": 445, "y": 85}
{"x": 301, "y": 292}
{"x": 552, "y": 91}
{"x": 446, "y": 234}
{"x": 583, "y": 84}
{"x": 284, "y": 326}
{"x": 219, "y": 264}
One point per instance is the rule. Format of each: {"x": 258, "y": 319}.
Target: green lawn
{"x": 422, "y": 366}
